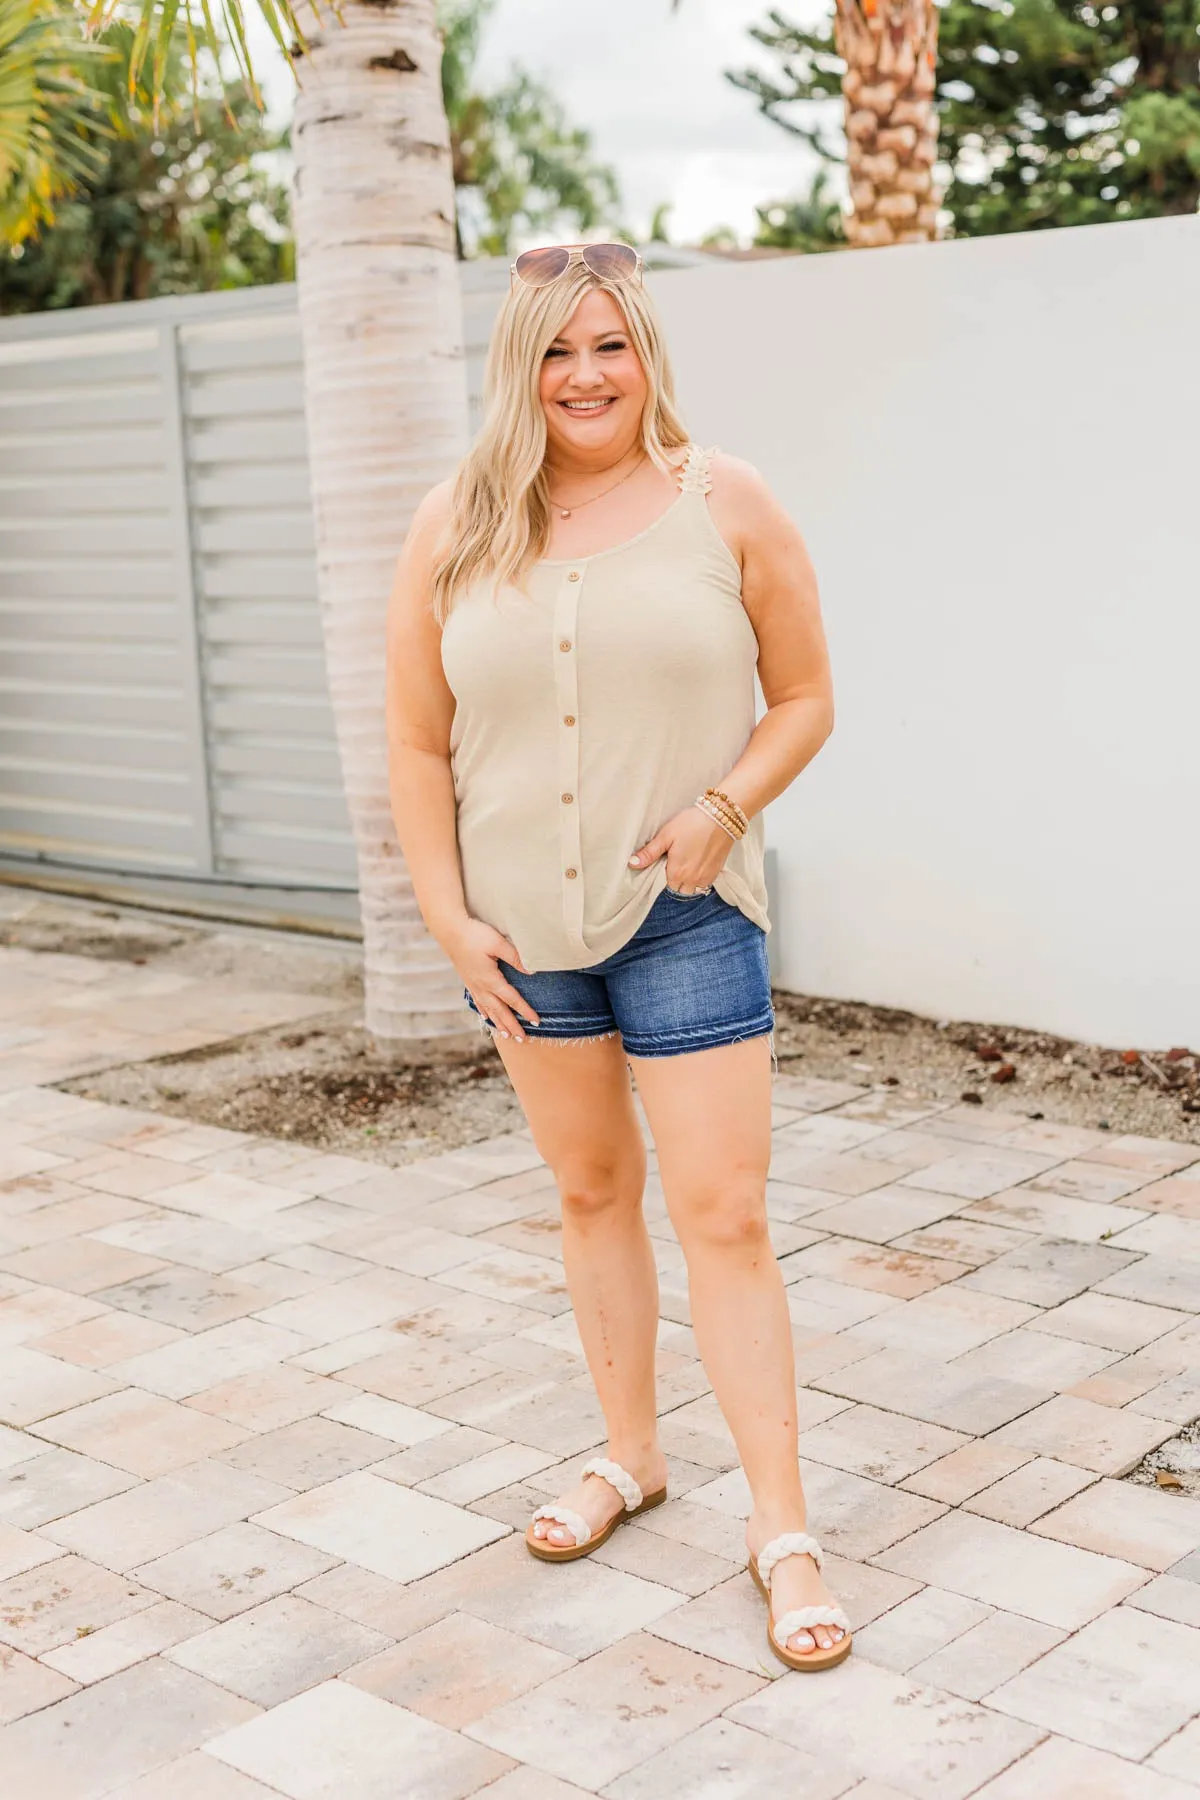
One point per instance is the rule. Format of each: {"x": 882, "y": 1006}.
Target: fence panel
{"x": 99, "y": 755}
{"x": 278, "y": 808}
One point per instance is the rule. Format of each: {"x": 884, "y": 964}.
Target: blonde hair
{"x": 500, "y": 511}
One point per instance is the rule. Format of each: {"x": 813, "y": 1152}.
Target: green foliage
{"x": 176, "y": 207}
{"x": 1071, "y": 114}
{"x": 810, "y": 222}
{"x": 48, "y": 111}
{"x": 658, "y": 223}
{"x": 217, "y": 27}
{"x": 519, "y": 168}
{"x": 1052, "y": 112}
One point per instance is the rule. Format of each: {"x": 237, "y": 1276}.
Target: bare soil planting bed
{"x": 321, "y": 1082}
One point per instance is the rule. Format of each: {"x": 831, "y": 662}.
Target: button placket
{"x": 566, "y": 677}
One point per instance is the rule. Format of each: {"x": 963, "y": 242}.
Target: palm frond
{"x": 220, "y": 27}
{"x": 50, "y": 113}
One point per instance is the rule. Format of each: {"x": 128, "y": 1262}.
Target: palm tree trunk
{"x": 386, "y": 405}
{"x": 890, "y": 52}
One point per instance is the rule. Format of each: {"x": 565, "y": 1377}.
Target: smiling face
{"x": 592, "y": 387}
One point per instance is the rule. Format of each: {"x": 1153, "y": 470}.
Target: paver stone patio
{"x": 272, "y": 1421}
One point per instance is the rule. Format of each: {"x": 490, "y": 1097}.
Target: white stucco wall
{"x": 992, "y": 448}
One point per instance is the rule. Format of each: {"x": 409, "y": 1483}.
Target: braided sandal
{"x": 798, "y": 1543}
{"x": 587, "y": 1540}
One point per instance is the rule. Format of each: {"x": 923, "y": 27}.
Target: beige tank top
{"x": 589, "y": 711}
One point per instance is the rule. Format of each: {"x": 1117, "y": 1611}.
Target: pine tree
{"x": 1051, "y": 112}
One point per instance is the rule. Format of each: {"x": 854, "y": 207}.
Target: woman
{"x": 578, "y": 784}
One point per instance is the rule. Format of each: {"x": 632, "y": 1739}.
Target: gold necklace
{"x": 564, "y": 512}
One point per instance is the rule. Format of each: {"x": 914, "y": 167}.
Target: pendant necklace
{"x": 564, "y": 512}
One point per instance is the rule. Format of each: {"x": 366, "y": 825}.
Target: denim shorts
{"x": 692, "y": 977}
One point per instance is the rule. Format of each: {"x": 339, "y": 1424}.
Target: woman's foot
{"x": 597, "y": 1501}
{"x": 795, "y": 1582}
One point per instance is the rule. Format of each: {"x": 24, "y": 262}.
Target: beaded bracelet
{"x": 730, "y": 806}
{"x": 728, "y": 821}
{"x": 711, "y": 812}
{"x": 720, "y": 814}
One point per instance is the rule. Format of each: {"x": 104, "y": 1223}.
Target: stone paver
{"x": 726, "y": 1760}
{"x": 1109, "y": 1439}
{"x": 26, "y": 1686}
{"x": 990, "y": 1653}
{"x": 163, "y": 1712}
{"x": 51, "y": 1605}
{"x": 139, "y": 1432}
{"x": 1179, "y": 1755}
{"x": 100, "y": 1653}
{"x": 919, "y": 1627}
{"x": 234, "y": 1569}
{"x": 335, "y": 1742}
{"x": 157, "y": 1517}
{"x": 272, "y": 1420}
{"x": 381, "y": 1525}
{"x": 457, "y": 1670}
{"x": 1059, "y": 1767}
{"x": 886, "y": 1727}
{"x": 1125, "y": 1683}
{"x": 982, "y": 1560}
{"x": 1030, "y": 1491}
{"x": 277, "y": 1650}
{"x": 1142, "y": 1524}
{"x": 598, "y": 1719}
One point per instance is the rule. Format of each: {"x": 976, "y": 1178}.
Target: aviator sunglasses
{"x": 612, "y": 262}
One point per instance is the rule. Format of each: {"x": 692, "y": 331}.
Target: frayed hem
{"x": 600, "y": 1037}
{"x": 547, "y": 1037}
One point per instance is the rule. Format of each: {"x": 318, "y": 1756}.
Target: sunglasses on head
{"x": 611, "y": 262}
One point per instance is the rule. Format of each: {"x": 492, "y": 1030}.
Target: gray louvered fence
{"x": 164, "y": 719}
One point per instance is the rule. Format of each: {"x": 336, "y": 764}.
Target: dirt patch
{"x": 1155, "y": 1094}
{"x": 254, "y": 958}
{"x": 321, "y": 1083}
{"x": 108, "y": 937}
{"x": 1174, "y": 1466}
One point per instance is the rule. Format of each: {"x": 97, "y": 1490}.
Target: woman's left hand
{"x": 695, "y": 848}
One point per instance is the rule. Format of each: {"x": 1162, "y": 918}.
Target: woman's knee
{"x": 598, "y": 1189}
{"x": 729, "y": 1216}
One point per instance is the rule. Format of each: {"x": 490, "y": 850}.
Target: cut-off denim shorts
{"x": 692, "y": 977}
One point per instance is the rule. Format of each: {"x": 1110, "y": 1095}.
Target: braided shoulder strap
{"x": 695, "y": 476}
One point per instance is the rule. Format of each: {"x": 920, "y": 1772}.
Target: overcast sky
{"x": 648, "y": 84}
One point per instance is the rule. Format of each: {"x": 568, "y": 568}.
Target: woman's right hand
{"x": 476, "y": 950}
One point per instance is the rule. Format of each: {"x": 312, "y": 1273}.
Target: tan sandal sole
{"x": 805, "y": 1662}
{"x": 569, "y": 1552}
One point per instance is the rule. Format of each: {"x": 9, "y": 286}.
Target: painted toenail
{"x": 802, "y": 1641}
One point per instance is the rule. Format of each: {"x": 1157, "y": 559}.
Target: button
{"x": 567, "y": 799}
{"x": 568, "y": 718}
{"x": 571, "y": 874}
{"x": 574, "y": 575}
{"x": 564, "y": 644}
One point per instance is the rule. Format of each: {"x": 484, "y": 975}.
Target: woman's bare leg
{"x": 710, "y": 1112}
{"x": 579, "y": 1104}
